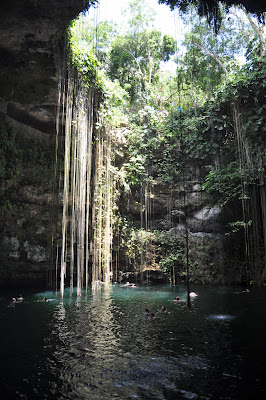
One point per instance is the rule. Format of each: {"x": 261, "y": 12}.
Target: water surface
{"x": 103, "y": 346}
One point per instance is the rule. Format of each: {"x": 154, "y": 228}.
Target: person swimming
{"x": 177, "y": 298}
{"x": 125, "y": 284}
{"x": 128, "y": 284}
{"x": 149, "y": 313}
{"x": 163, "y": 309}
{"x": 243, "y": 291}
{"x": 46, "y": 300}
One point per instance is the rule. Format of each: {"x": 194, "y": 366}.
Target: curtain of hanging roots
{"x": 77, "y": 110}
{"x": 77, "y": 104}
{"x": 102, "y": 210}
{"x": 245, "y": 161}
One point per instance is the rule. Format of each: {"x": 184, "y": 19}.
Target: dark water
{"x": 102, "y": 346}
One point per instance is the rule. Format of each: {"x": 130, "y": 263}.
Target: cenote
{"x": 131, "y": 152}
{"x": 102, "y": 345}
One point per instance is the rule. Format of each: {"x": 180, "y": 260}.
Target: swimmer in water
{"x": 163, "y": 309}
{"x": 243, "y": 291}
{"x": 125, "y": 284}
{"x": 149, "y": 313}
{"x": 46, "y": 300}
{"x": 176, "y": 299}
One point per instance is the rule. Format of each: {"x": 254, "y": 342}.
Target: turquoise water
{"x": 102, "y": 345}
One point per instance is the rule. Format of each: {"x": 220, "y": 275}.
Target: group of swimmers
{"x": 149, "y": 313}
{"x": 152, "y": 315}
{"x": 19, "y": 299}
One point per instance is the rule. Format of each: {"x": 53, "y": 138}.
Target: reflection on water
{"x": 220, "y": 317}
{"x": 102, "y": 345}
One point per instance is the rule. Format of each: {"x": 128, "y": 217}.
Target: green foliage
{"x": 84, "y": 60}
{"x": 224, "y": 184}
{"x": 184, "y": 123}
{"x": 236, "y": 226}
{"x": 137, "y": 240}
{"x": 172, "y": 252}
{"x": 89, "y": 56}
{"x": 132, "y": 242}
{"x": 136, "y": 55}
{"x": 95, "y": 39}
{"x": 135, "y": 59}
{"x": 135, "y": 164}
{"x": 246, "y": 92}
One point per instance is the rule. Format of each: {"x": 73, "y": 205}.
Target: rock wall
{"x": 168, "y": 208}
{"x": 29, "y": 207}
{"x": 32, "y": 32}
{"x": 31, "y": 38}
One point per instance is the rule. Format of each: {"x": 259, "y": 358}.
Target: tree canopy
{"x": 135, "y": 59}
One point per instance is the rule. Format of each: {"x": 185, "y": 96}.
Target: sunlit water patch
{"x": 220, "y": 317}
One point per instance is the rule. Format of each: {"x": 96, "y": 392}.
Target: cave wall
{"x": 28, "y": 206}
{"x": 168, "y": 206}
{"x": 31, "y": 38}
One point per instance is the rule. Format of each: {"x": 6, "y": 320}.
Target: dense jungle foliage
{"x": 203, "y": 125}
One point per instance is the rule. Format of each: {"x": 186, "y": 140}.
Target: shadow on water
{"x": 103, "y": 345}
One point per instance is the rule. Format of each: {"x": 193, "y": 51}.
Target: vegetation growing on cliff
{"x": 203, "y": 125}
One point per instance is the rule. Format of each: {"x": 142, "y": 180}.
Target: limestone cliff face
{"x": 167, "y": 209}
{"x": 31, "y": 32}
{"x": 26, "y": 204}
